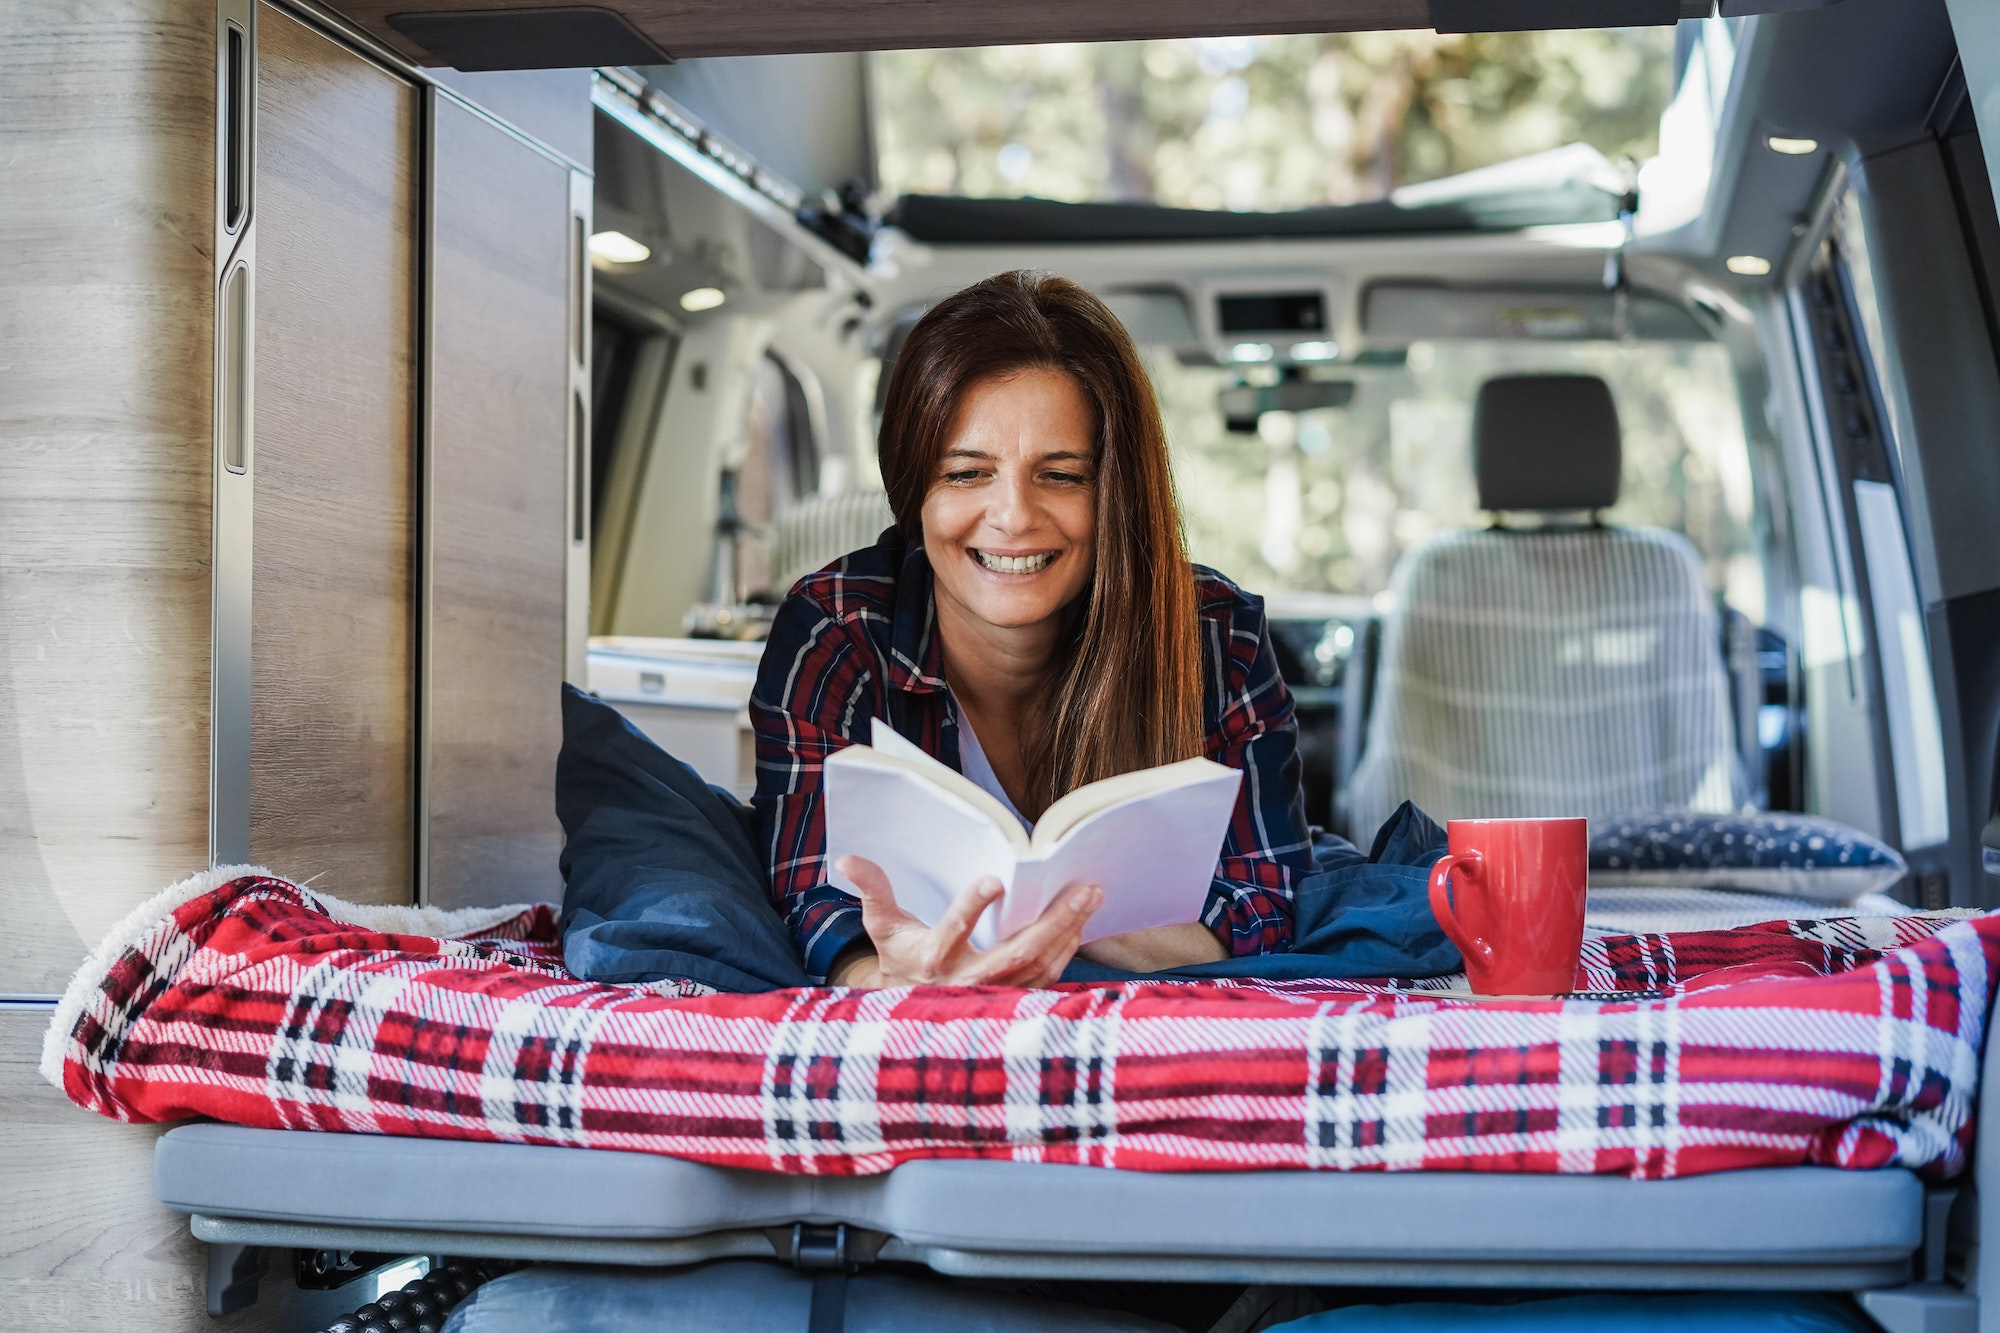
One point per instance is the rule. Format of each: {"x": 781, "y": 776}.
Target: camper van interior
{"x": 375, "y": 369}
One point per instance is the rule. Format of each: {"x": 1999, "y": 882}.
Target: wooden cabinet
{"x": 503, "y": 281}
{"x": 333, "y": 600}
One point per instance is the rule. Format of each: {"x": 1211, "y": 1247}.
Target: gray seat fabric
{"x": 747, "y": 1296}
{"x": 817, "y": 531}
{"x": 941, "y": 1212}
{"x": 1571, "y": 670}
{"x": 1549, "y": 673}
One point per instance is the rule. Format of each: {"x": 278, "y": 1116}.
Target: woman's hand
{"x": 1158, "y": 948}
{"x": 909, "y": 953}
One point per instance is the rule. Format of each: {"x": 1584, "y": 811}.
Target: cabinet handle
{"x": 235, "y": 404}
{"x": 580, "y": 467}
{"x": 236, "y": 131}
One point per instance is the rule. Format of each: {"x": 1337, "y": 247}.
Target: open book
{"x": 1150, "y": 839}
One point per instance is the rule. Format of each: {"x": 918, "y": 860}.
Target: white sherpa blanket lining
{"x": 434, "y": 922}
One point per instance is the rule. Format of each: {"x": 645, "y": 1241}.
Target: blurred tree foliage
{"x": 1258, "y": 122}
{"x": 1328, "y": 501}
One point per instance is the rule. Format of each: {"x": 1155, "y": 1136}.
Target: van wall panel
{"x": 105, "y": 326}
{"x": 499, "y": 377}
{"x": 333, "y": 666}
{"x": 87, "y": 1246}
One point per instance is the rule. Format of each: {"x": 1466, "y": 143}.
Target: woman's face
{"x": 1010, "y": 523}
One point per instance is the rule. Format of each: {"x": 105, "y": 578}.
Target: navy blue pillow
{"x": 660, "y": 870}
{"x": 1800, "y": 856}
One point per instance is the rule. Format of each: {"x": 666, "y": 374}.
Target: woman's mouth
{"x": 1013, "y": 564}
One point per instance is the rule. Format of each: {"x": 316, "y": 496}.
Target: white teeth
{"x": 1015, "y": 564}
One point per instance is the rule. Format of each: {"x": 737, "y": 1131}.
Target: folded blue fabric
{"x": 1355, "y": 916}
{"x": 662, "y": 878}
{"x": 1621, "y": 1313}
{"x": 661, "y": 872}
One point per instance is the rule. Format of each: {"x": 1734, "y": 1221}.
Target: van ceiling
{"x": 486, "y": 35}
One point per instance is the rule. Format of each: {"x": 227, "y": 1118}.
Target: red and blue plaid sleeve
{"x": 814, "y": 686}
{"x": 1268, "y": 845}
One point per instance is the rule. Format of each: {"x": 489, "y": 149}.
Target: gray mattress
{"x": 1662, "y": 910}
{"x": 1796, "y": 1227}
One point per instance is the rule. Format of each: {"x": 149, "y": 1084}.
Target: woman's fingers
{"x": 880, "y": 915}
{"x": 907, "y": 953}
{"x": 1037, "y": 954}
{"x": 955, "y": 927}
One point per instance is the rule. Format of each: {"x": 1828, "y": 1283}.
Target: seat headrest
{"x": 1546, "y": 442}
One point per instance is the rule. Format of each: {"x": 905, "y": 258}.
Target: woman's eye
{"x": 1069, "y": 478}
{"x": 960, "y": 478}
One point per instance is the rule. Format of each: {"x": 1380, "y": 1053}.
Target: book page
{"x": 1154, "y": 857}
{"x": 930, "y": 842}
{"x": 1092, "y": 797}
{"x": 890, "y": 745}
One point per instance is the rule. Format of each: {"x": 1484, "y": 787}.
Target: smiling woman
{"x": 1009, "y": 525}
{"x": 1031, "y": 620}
{"x": 1020, "y": 413}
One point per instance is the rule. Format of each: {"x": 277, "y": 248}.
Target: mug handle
{"x": 1471, "y": 866}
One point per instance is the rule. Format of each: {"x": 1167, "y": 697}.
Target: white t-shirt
{"x": 973, "y": 763}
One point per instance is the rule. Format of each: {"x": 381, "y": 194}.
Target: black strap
{"x": 829, "y": 1302}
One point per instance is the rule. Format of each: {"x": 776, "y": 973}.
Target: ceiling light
{"x": 1750, "y": 266}
{"x": 1252, "y": 352}
{"x": 1778, "y": 143}
{"x": 615, "y": 247}
{"x": 702, "y": 298}
{"x": 1314, "y": 351}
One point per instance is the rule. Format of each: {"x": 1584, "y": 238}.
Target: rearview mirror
{"x": 1242, "y": 404}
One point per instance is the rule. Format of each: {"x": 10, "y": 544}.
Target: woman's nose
{"x": 1012, "y": 508}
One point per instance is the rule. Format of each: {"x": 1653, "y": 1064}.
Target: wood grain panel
{"x": 86, "y": 1247}
{"x": 333, "y": 666}
{"x": 552, "y": 105}
{"x": 684, "y": 28}
{"x": 106, "y": 206}
{"x": 499, "y": 387}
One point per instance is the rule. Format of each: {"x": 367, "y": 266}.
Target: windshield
{"x": 1328, "y": 500}
{"x": 1257, "y": 123}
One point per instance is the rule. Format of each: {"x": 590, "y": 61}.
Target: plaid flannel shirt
{"x": 858, "y": 640}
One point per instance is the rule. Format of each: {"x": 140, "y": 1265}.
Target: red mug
{"x": 1510, "y": 895}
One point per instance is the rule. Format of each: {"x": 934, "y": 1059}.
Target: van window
{"x": 617, "y": 393}
{"x": 1328, "y": 500}
{"x": 1248, "y": 123}
{"x": 1909, "y": 694}
{"x": 780, "y": 467}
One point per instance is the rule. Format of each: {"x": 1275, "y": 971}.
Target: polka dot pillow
{"x": 1801, "y": 856}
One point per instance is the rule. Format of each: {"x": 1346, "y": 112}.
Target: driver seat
{"x": 1549, "y": 664}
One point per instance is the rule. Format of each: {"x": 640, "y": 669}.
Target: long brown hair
{"x": 1128, "y": 683}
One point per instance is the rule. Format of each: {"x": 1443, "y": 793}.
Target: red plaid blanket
{"x": 1850, "y": 1043}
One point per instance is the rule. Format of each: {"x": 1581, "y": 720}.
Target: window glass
{"x": 1853, "y": 240}
{"x": 1252, "y": 122}
{"x": 616, "y": 350}
{"x": 1916, "y": 736}
{"x": 780, "y": 468}
{"x": 1328, "y": 500}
